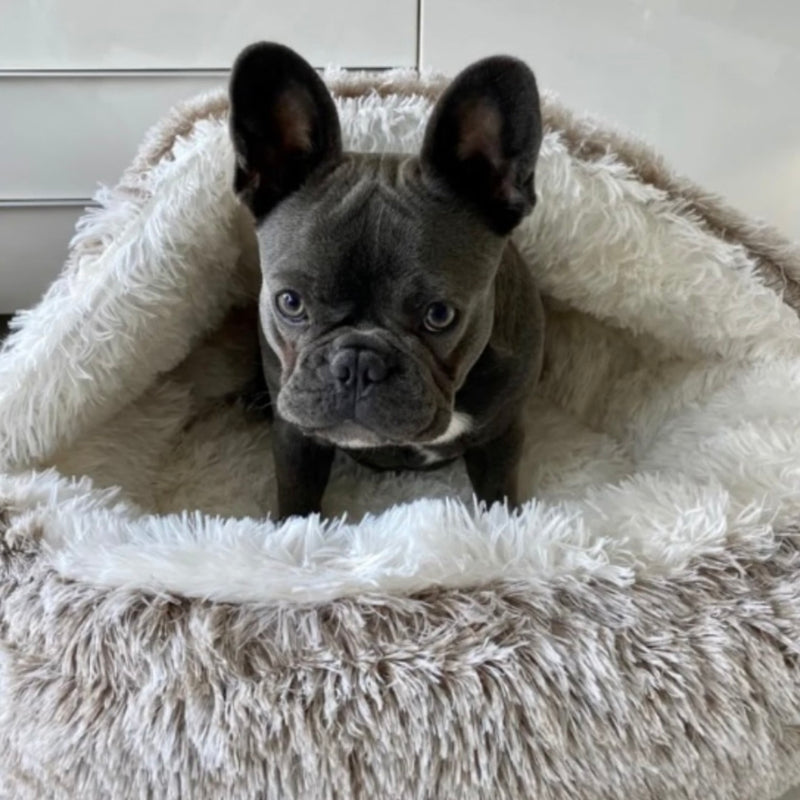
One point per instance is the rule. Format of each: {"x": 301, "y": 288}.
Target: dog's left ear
{"x": 483, "y": 139}
{"x": 283, "y": 124}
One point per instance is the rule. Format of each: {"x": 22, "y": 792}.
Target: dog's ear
{"x": 483, "y": 139}
{"x": 283, "y": 124}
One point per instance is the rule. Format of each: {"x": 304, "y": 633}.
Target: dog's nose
{"x": 356, "y": 367}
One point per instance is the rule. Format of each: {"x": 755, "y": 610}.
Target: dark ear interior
{"x": 483, "y": 139}
{"x": 283, "y": 124}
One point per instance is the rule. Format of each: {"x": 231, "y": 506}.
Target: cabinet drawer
{"x": 67, "y": 134}
{"x": 33, "y": 249}
{"x": 181, "y": 34}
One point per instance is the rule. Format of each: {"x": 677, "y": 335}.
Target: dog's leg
{"x": 492, "y": 467}
{"x": 302, "y": 467}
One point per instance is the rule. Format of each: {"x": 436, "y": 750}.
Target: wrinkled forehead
{"x": 373, "y": 217}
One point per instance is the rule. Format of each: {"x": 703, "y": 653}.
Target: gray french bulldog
{"x": 398, "y": 322}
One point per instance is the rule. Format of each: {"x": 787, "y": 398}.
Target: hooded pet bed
{"x": 632, "y": 631}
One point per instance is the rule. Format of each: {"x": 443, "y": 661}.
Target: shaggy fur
{"x": 632, "y": 631}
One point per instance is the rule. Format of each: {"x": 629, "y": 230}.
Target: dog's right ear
{"x": 283, "y": 124}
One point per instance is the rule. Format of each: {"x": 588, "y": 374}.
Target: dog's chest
{"x": 415, "y": 457}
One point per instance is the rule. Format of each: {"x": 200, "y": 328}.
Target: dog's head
{"x": 379, "y": 270}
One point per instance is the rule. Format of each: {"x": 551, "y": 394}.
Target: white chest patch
{"x": 459, "y": 424}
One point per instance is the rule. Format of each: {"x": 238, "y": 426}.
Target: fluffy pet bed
{"x": 632, "y": 631}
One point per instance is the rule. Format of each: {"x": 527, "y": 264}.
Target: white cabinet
{"x": 82, "y": 80}
{"x": 33, "y": 246}
{"x": 712, "y": 85}
{"x": 70, "y": 133}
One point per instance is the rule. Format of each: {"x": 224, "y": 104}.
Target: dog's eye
{"x": 291, "y": 305}
{"x": 439, "y": 317}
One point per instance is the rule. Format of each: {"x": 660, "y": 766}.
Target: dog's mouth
{"x": 352, "y": 435}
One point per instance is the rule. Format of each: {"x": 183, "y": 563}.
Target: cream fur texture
{"x": 632, "y": 630}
